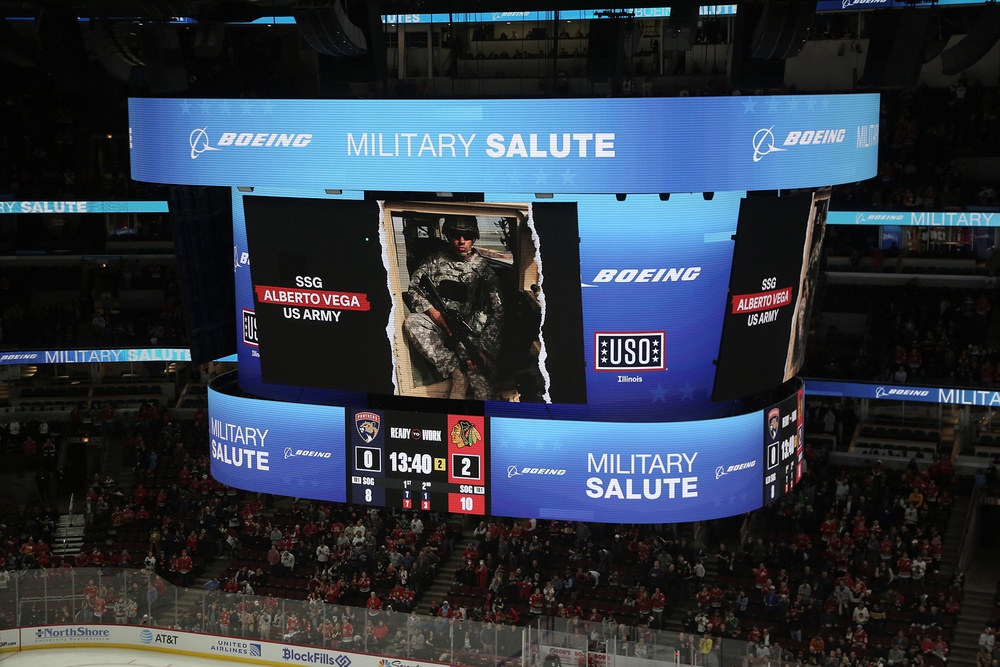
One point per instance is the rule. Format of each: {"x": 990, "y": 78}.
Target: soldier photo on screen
{"x": 457, "y": 315}
{"x": 812, "y": 253}
{"x": 470, "y": 306}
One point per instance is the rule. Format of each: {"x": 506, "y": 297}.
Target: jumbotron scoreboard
{"x": 418, "y": 461}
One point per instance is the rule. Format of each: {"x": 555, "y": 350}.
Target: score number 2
{"x": 466, "y": 466}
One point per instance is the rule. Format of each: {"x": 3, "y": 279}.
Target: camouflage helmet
{"x": 461, "y": 225}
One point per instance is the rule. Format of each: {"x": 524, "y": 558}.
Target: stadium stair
{"x": 69, "y": 535}
{"x": 445, "y": 575}
{"x": 976, "y": 614}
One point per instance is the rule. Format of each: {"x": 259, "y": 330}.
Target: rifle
{"x": 461, "y": 333}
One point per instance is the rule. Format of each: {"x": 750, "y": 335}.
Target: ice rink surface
{"x": 103, "y": 657}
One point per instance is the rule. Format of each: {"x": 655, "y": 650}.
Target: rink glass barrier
{"x": 190, "y": 619}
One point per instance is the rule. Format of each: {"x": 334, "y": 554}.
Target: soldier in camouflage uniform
{"x": 468, "y": 285}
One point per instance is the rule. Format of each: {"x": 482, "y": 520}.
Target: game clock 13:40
{"x": 418, "y": 461}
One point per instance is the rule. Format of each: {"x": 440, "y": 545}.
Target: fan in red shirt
{"x": 536, "y": 601}
{"x": 761, "y": 576}
{"x": 347, "y": 632}
{"x": 704, "y": 598}
{"x": 524, "y": 590}
{"x": 292, "y": 624}
{"x": 644, "y": 604}
{"x": 328, "y": 630}
{"x": 860, "y": 638}
{"x": 886, "y": 548}
{"x": 374, "y": 604}
{"x": 828, "y": 528}
{"x": 904, "y": 567}
{"x": 333, "y": 591}
{"x": 658, "y": 602}
{"x": 184, "y": 566}
{"x": 100, "y": 607}
{"x": 380, "y": 632}
{"x": 482, "y": 575}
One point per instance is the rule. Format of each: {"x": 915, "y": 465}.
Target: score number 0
{"x": 367, "y": 459}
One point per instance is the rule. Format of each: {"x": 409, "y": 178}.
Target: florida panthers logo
{"x": 367, "y": 425}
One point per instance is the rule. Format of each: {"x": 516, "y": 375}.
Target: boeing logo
{"x": 721, "y": 472}
{"x": 763, "y": 143}
{"x": 198, "y": 139}
{"x": 673, "y": 274}
{"x": 506, "y": 16}
{"x": 512, "y": 471}
{"x": 847, "y": 4}
{"x": 240, "y": 258}
{"x": 201, "y": 143}
{"x": 872, "y": 217}
{"x": 893, "y": 392}
{"x": 290, "y": 453}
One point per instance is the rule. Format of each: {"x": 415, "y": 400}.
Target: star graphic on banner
{"x": 659, "y": 394}
{"x": 772, "y": 105}
{"x": 604, "y": 344}
{"x": 718, "y": 501}
{"x": 811, "y": 105}
{"x": 568, "y": 177}
{"x": 749, "y": 105}
{"x": 492, "y": 180}
{"x": 515, "y": 177}
{"x": 225, "y": 108}
{"x": 185, "y": 107}
{"x": 687, "y": 392}
{"x": 656, "y": 344}
{"x": 604, "y": 358}
{"x": 541, "y": 178}
{"x": 655, "y": 356}
{"x": 247, "y": 109}
{"x": 825, "y": 106}
{"x": 268, "y": 109}
{"x": 206, "y": 107}
{"x": 793, "y": 104}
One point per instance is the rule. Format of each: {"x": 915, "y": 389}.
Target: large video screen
{"x": 649, "y": 287}
{"x": 418, "y": 461}
{"x": 775, "y": 262}
{"x": 485, "y": 466}
{"x": 280, "y": 448}
{"x": 784, "y": 450}
{"x": 462, "y": 301}
{"x": 597, "y": 471}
